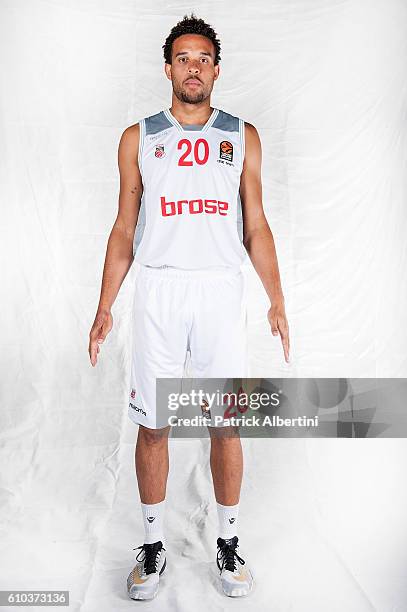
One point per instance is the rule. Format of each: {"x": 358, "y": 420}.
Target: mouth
{"x": 193, "y": 82}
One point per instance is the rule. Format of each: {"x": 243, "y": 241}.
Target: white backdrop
{"x": 324, "y": 82}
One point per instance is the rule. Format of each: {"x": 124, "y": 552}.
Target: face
{"x": 192, "y": 71}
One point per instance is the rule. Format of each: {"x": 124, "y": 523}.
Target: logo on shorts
{"x": 226, "y": 150}
{"x": 206, "y": 413}
{"x": 133, "y": 394}
{"x": 150, "y": 519}
{"x": 159, "y": 151}
{"x": 231, "y": 521}
{"x": 136, "y": 409}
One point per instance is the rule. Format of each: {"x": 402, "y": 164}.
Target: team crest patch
{"x": 159, "y": 150}
{"x": 226, "y": 150}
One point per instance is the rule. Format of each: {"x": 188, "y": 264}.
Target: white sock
{"x": 153, "y": 520}
{"x": 227, "y": 516}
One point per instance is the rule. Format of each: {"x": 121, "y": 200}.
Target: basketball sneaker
{"x": 236, "y": 580}
{"x": 143, "y": 580}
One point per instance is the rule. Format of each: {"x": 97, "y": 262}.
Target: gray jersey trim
{"x": 242, "y": 139}
{"x": 157, "y": 123}
{"x": 229, "y": 123}
{"x": 225, "y": 121}
{"x": 141, "y": 224}
{"x": 141, "y": 145}
{"x": 149, "y": 125}
{"x": 191, "y": 127}
{"x": 239, "y": 201}
{"x": 239, "y": 218}
{"x": 141, "y": 219}
{"x": 204, "y": 128}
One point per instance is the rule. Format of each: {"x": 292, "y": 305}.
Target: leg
{"x": 151, "y": 460}
{"x": 226, "y": 464}
{"x": 160, "y": 333}
{"x": 219, "y": 351}
{"x": 152, "y": 474}
{"x": 227, "y": 469}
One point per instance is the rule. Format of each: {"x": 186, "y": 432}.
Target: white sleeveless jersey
{"x": 190, "y": 213}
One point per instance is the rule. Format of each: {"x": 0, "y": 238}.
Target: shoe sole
{"x": 240, "y": 591}
{"x": 143, "y": 595}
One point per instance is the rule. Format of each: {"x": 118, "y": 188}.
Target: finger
{"x": 274, "y": 326}
{"x": 101, "y": 334}
{"x": 97, "y": 335}
{"x": 93, "y": 352}
{"x": 93, "y": 345}
{"x": 285, "y": 340}
{"x": 286, "y": 350}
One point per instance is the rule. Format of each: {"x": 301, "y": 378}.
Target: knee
{"x": 224, "y": 435}
{"x": 153, "y": 436}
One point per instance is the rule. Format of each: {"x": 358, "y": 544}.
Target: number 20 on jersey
{"x": 199, "y": 153}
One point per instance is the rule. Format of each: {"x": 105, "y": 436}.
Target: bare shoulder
{"x": 251, "y": 133}
{"x": 253, "y": 152}
{"x": 129, "y": 142}
{"x": 131, "y": 134}
{"x": 249, "y": 127}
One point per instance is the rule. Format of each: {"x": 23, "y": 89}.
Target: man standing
{"x": 190, "y": 206}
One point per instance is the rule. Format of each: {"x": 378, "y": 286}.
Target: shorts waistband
{"x": 170, "y": 272}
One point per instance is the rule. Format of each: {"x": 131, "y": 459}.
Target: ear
{"x": 167, "y": 68}
{"x": 217, "y": 69}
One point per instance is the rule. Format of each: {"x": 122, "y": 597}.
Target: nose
{"x": 194, "y": 68}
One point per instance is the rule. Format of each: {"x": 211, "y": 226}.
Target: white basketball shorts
{"x": 176, "y": 311}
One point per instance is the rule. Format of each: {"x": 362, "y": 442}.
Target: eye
{"x": 181, "y": 59}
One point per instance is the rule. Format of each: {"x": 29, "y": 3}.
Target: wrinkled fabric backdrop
{"x": 324, "y": 82}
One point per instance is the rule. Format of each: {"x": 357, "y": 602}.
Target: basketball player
{"x": 190, "y": 207}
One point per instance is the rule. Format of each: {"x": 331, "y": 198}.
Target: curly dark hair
{"x": 191, "y": 25}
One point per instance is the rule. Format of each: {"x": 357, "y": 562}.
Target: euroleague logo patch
{"x": 226, "y": 150}
{"x": 159, "y": 151}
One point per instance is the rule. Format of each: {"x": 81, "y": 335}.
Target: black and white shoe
{"x": 236, "y": 580}
{"x": 143, "y": 580}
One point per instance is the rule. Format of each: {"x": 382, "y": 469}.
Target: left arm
{"x": 258, "y": 239}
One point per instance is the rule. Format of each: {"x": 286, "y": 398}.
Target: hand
{"x": 100, "y": 328}
{"x": 279, "y": 324}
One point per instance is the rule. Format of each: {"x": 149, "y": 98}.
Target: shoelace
{"x": 151, "y": 556}
{"x": 227, "y": 555}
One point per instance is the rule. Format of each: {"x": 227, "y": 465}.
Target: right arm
{"x": 119, "y": 253}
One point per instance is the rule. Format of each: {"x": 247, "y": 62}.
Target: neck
{"x": 191, "y": 114}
